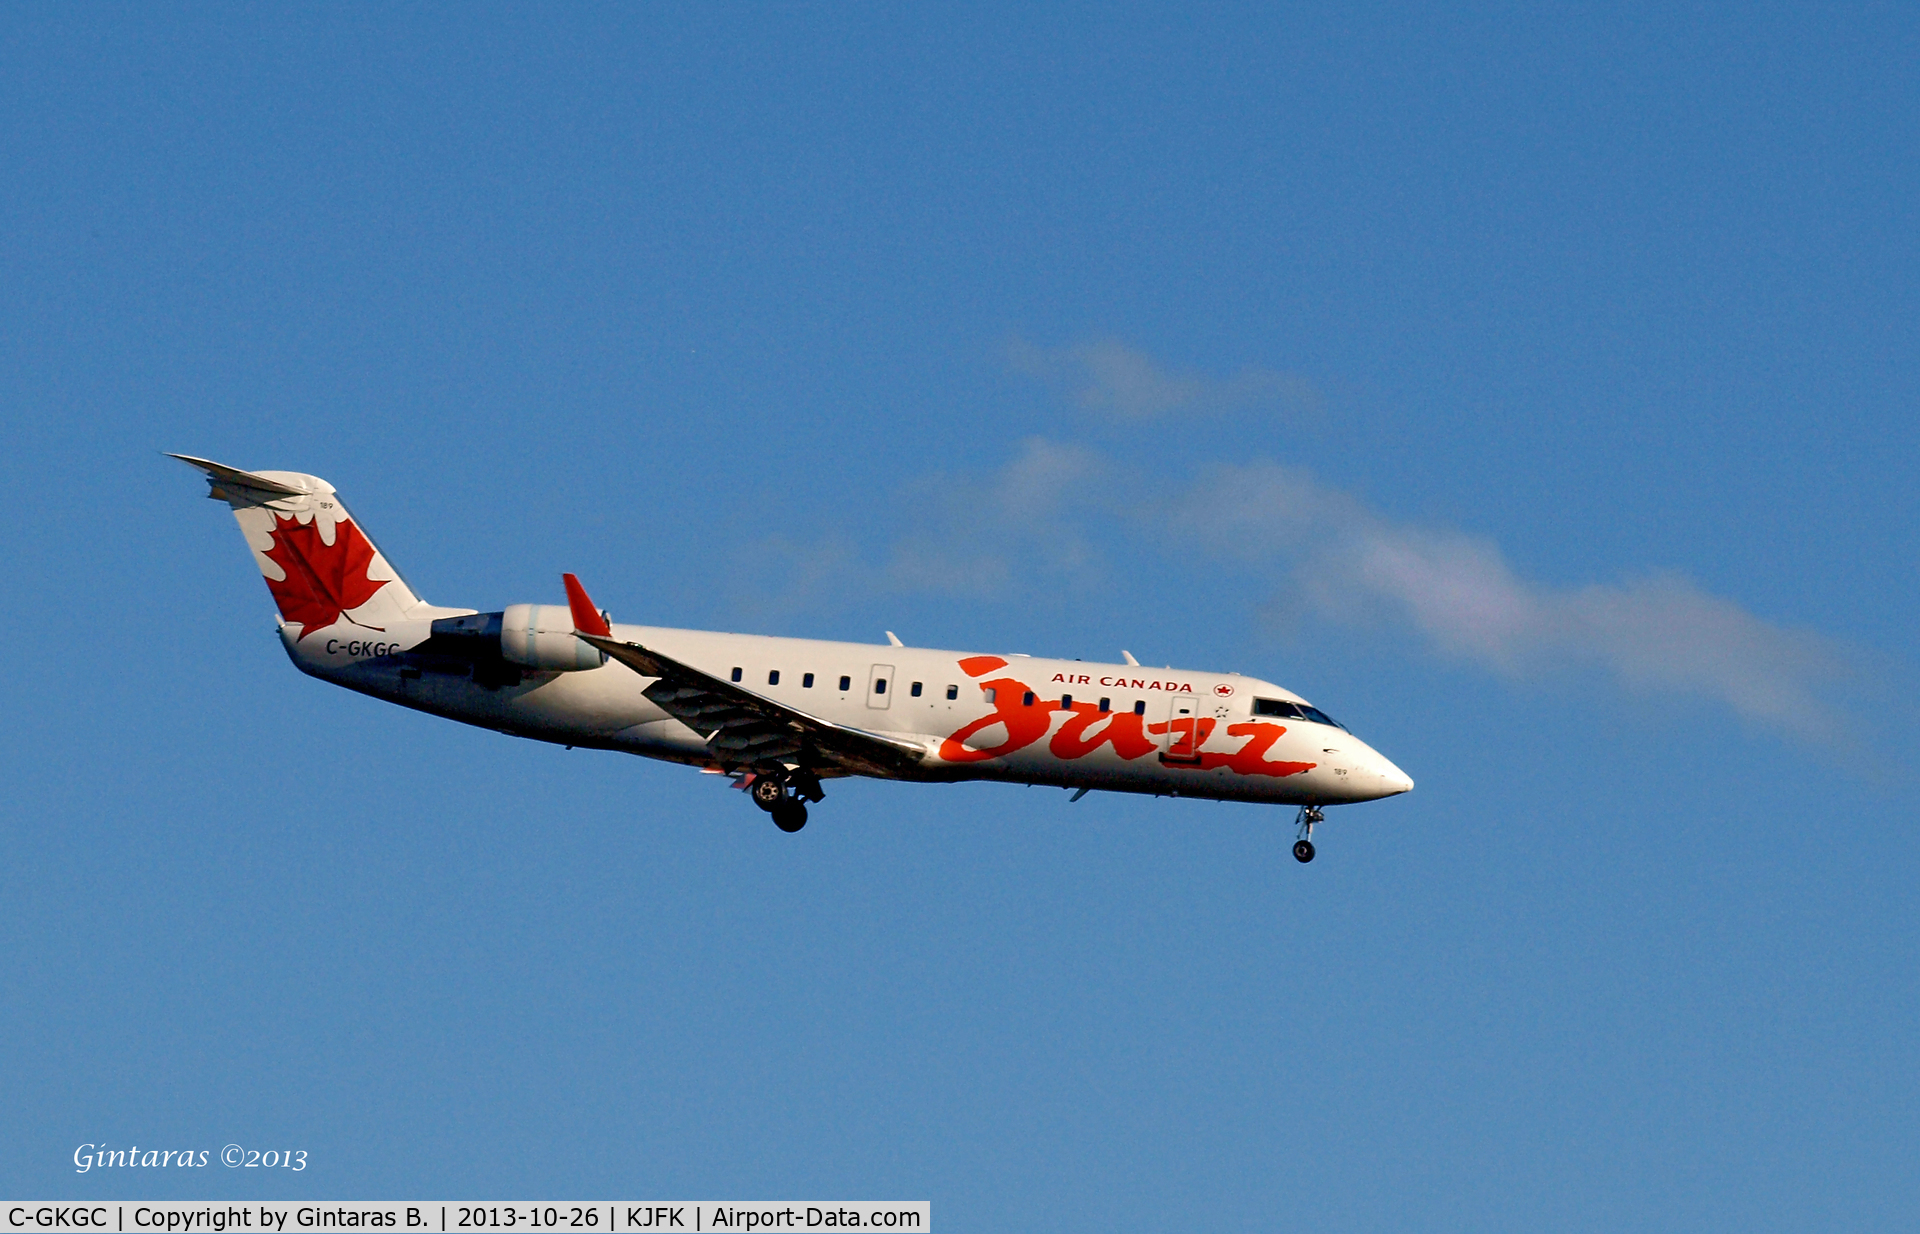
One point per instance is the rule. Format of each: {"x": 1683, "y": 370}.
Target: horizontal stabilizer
{"x": 219, "y": 475}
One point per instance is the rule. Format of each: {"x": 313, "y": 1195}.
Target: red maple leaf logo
{"x": 322, "y": 580}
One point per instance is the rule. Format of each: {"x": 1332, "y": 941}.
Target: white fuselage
{"x": 1015, "y": 718}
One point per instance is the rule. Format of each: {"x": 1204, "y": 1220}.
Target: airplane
{"x": 781, "y": 715}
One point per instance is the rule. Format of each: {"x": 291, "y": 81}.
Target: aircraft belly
{"x": 663, "y": 738}
{"x": 594, "y": 702}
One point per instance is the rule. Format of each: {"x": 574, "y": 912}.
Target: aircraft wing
{"x": 745, "y": 730}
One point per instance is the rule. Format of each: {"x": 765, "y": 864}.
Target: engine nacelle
{"x": 541, "y": 636}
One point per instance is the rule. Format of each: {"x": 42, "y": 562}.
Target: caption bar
{"x": 445, "y": 1217}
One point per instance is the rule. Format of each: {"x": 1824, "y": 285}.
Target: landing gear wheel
{"x": 790, "y": 815}
{"x": 767, "y": 793}
{"x": 1306, "y": 820}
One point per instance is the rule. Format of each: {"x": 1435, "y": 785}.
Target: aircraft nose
{"x": 1395, "y": 781}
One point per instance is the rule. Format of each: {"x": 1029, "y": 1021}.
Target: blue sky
{"x": 1533, "y": 390}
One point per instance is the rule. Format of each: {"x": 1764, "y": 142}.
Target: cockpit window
{"x": 1294, "y": 711}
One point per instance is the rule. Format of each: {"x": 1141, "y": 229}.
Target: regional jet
{"x": 780, "y": 716}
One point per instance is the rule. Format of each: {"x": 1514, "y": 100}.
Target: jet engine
{"x": 541, "y": 636}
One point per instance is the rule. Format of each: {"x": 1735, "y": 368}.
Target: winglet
{"x": 894, "y": 639}
{"x": 586, "y": 618}
{"x": 1130, "y": 659}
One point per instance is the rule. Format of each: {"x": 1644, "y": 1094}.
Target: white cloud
{"x": 1107, "y": 377}
{"x": 975, "y": 529}
{"x": 1656, "y": 633}
{"x": 948, "y": 534}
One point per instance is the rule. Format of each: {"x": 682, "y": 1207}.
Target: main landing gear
{"x": 1305, "y": 820}
{"x": 785, "y": 797}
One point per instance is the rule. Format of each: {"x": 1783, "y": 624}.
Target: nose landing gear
{"x": 1305, "y": 820}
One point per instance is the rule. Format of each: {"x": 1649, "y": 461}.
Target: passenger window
{"x": 846, "y": 683}
{"x": 1140, "y": 708}
{"x": 991, "y": 695}
{"x": 773, "y": 678}
{"x": 736, "y": 674}
{"x": 1106, "y": 705}
{"x": 879, "y": 685}
{"x": 915, "y": 691}
{"x": 1027, "y": 699}
{"x": 1066, "y": 702}
{"x": 806, "y": 681}
{"x": 953, "y": 692}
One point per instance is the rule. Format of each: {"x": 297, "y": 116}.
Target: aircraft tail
{"x": 320, "y": 566}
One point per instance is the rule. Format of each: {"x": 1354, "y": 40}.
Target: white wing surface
{"x": 749, "y": 732}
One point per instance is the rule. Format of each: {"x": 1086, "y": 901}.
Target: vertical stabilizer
{"x": 320, "y": 566}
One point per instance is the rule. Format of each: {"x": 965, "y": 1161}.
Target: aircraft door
{"x": 880, "y": 687}
{"x": 1181, "y": 745}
